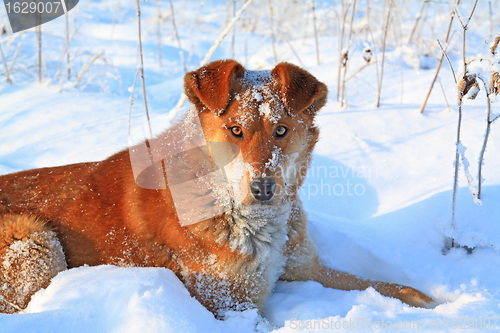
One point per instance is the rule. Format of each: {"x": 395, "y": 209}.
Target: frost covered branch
{"x": 142, "y": 69}
{"x": 451, "y": 67}
{"x": 440, "y": 62}
{"x": 7, "y": 72}
{"x": 176, "y": 34}
{"x": 386, "y": 28}
{"x": 86, "y": 67}
{"x": 39, "y": 43}
{"x": 342, "y": 52}
{"x": 313, "y": 8}
{"x": 205, "y": 60}
{"x": 273, "y": 33}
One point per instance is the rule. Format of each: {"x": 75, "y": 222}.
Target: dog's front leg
{"x": 303, "y": 264}
{"x": 340, "y": 280}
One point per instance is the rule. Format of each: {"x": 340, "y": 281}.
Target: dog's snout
{"x": 263, "y": 188}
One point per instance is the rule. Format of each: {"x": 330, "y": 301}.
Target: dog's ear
{"x": 299, "y": 89}
{"x": 212, "y": 85}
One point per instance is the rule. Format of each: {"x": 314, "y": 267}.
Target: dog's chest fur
{"x": 257, "y": 236}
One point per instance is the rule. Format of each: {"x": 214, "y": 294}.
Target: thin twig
{"x": 142, "y": 69}
{"x": 457, "y": 167}
{"x": 273, "y": 33}
{"x": 205, "y": 60}
{"x": 383, "y": 52}
{"x": 417, "y": 20}
{"x": 132, "y": 89}
{"x": 341, "y": 48}
{"x": 472, "y": 12}
{"x": 286, "y": 41}
{"x": 374, "y": 48}
{"x": 158, "y": 34}
{"x": 347, "y": 56}
{"x": 441, "y": 59}
{"x": 7, "y": 73}
{"x": 16, "y": 55}
{"x": 444, "y": 95}
{"x": 174, "y": 26}
{"x": 483, "y": 149}
{"x": 489, "y": 121}
{"x": 86, "y": 67}
{"x": 460, "y": 103}
{"x": 233, "y": 35}
{"x": 449, "y": 62}
{"x": 39, "y": 42}
{"x": 491, "y": 18}
{"x": 15, "y": 306}
{"x": 313, "y": 9}
{"x": 368, "y": 64}
{"x": 66, "y": 42}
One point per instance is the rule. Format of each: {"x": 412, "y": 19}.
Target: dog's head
{"x": 269, "y": 115}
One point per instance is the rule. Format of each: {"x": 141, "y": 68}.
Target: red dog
{"x": 107, "y": 213}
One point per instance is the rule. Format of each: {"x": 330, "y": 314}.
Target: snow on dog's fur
{"x": 229, "y": 261}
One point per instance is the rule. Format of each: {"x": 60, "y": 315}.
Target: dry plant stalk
{"x": 66, "y": 42}
{"x": 15, "y": 306}
{"x": 158, "y": 33}
{"x": 495, "y": 83}
{"x": 462, "y": 86}
{"x": 283, "y": 39}
{"x": 386, "y": 28}
{"x": 174, "y": 26}
{"x": 345, "y": 58}
{"x": 8, "y": 69}
{"x": 86, "y": 67}
{"x": 495, "y": 45}
{"x": 273, "y": 33}
{"x": 233, "y": 35}
{"x": 313, "y": 9}
{"x": 489, "y": 121}
{"x": 493, "y": 89}
{"x": 182, "y": 100}
{"x": 417, "y": 20}
{"x": 132, "y": 89}
{"x": 341, "y": 47}
{"x": 7, "y": 72}
{"x": 39, "y": 42}
{"x": 440, "y": 62}
{"x": 142, "y": 69}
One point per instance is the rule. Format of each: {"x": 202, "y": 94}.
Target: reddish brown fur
{"x": 103, "y": 217}
{"x": 31, "y": 256}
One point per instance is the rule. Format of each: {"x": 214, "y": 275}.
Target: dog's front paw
{"x": 408, "y": 295}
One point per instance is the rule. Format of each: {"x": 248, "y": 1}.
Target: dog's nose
{"x": 263, "y": 188}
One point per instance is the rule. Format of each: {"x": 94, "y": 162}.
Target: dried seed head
{"x": 494, "y": 45}
{"x": 367, "y": 54}
{"x": 465, "y": 84}
{"x": 345, "y": 58}
{"x": 473, "y": 91}
{"x": 495, "y": 83}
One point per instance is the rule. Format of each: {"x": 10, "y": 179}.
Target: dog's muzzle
{"x": 263, "y": 188}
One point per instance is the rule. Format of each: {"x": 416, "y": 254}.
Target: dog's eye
{"x": 237, "y": 131}
{"x": 281, "y": 131}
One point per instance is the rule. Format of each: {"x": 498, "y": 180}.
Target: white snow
{"x": 378, "y": 194}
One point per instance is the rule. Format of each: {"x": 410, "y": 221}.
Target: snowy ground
{"x": 378, "y": 194}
